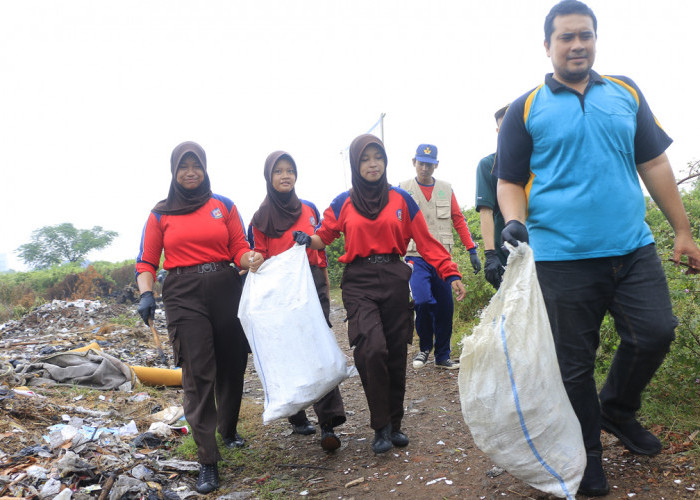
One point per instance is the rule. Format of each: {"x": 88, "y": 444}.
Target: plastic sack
{"x": 296, "y": 355}
{"x": 510, "y": 387}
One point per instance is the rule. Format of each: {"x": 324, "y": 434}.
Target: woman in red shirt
{"x": 281, "y": 214}
{"x": 201, "y": 234}
{"x": 378, "y": 221}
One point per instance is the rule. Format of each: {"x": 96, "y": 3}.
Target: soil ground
{"x": 441, "y": 460}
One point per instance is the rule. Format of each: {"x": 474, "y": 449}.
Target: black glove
{"x": 147, "y": 306}
{"x": 302, "y": 238}
{"x": 514, "y": 232}
{"x": 493, "y": 269}
{"x": 476, "y": 263}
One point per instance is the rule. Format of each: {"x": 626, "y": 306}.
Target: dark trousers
{"x": 577, "y": 294}
{"x": 209, "y": 344}
{"x": 329, "y": 409}
{"x": 376, "y": 298}
{"x": 434, "y": 308}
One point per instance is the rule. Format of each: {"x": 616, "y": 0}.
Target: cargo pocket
{"x": 443, "y": 209}
{"x": 175, "y": 343}
{"x": 354, "y": 330}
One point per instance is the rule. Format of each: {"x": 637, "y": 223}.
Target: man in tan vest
{"x": 433, "y": 296}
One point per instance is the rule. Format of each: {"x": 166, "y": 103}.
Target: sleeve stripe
{"x": 528, "y": 103}
{"x": 627, "y": 86}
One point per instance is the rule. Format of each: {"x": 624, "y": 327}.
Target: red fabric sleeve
{"x": 460, "y": 224}
{"x": 151, "y": 248}
{"x": 431, "y": 250}
{"x": 237, "y": 242}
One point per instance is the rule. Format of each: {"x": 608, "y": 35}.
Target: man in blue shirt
{"x": 570, "y": 154}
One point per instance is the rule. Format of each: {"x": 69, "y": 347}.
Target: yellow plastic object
{"x": 94, "y": 345}
{"x": 149, "y": 375}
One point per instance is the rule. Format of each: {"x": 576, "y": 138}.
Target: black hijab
{"x": 368, "y": 198}
{"x": 278, "y": 211}
{"x": 182, "y": 201}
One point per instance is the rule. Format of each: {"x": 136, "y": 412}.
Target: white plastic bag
{"x": 296, "y": 355}
{"x": 510, "y": 387}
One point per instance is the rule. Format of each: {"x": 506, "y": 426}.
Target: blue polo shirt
{"x": 577, "y": 156}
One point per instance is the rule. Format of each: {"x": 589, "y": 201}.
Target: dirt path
{"x": 441, "y": 460}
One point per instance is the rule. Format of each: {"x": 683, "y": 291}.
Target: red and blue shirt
{"x": 212, "y": 233}
{"x": 307, "y": 222}
{"x": 398, "y": 222}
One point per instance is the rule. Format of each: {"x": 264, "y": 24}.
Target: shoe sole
{"x": 330, "y": 443}
{"x": 610, "y": 427}
{"x": 453, "y": 367}
{"x": 304, "y": 433}
{"x": 380, "y": 451}
{"x": 594, "y": 492}
{"x": 400, "y": 444}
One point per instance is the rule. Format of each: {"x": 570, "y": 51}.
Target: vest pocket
{"x": 443, "y": 209}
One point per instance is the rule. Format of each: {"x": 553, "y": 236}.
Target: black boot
{"x": 382, "y": 440}
{"x": 635, "y": 437}
{"x": 208, "y": 479}
{"x": 398, "y": 438}
{"x": 594, "y": 483}
{"x": 305, "y": 428}
{"x": 329, "y": 441}
{"x": 234, "y": 442}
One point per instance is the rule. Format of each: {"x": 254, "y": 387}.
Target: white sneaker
{"x": 421, "y": 359}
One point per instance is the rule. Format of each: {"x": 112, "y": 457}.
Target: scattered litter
{"x": 141, "y": 396}
{"x": 495, "y": 471}
{"x": 355, "y": 482}
{"x": 435, "y": 481}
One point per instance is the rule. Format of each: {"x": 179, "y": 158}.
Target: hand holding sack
{"x": 302, "y": 238}
{"x": 514, "y": 232}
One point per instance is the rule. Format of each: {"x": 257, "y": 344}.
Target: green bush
{"x": 335, "y": 268}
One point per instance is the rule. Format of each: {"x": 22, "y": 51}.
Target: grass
{"x": 128, "y": 320}
{"x": 257, "y": 464}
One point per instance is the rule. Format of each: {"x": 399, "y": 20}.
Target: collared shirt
{"x": 398, "y": 222}
{"x": 307, "y": 222}
{"x": 212, "y": 233}
{"x": 577, "y": 154}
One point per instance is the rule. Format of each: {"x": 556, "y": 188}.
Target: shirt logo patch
{"x": 312, "y": 220}
{"x": 216, "y": 213}
{"x": 399, "y": 214}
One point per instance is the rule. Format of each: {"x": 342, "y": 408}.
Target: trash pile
{"x": 63, "y": 440}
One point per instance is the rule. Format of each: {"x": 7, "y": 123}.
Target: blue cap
{"x": 427, "y": 153}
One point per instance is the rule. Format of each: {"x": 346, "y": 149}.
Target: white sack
{"x": 296, "y": 355}
{"x": 510, "y": 387}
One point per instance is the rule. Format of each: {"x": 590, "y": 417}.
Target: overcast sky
{"x": 95, "y": 95}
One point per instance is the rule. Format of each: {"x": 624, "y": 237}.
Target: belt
{"x": 207, "y": 267}
{"x": 379, "y": 258}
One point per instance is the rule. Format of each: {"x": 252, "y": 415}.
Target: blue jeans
{"x": 577, "y": 294}
{"x": 434, "y": 308}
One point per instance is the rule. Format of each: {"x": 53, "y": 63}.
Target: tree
{"x": 52, "y": 245}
